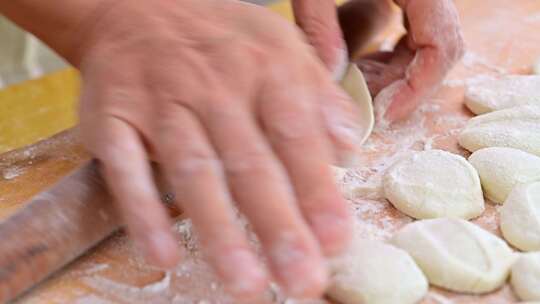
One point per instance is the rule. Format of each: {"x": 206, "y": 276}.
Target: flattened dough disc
{"x": 355, "y": 85}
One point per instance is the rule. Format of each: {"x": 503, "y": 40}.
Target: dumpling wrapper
{"x": 354, "y": 83}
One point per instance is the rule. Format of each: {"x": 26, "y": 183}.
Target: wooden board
{"x": 501, "y": 38}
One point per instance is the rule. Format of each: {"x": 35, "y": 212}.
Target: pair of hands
{"x": 240, "y": 110}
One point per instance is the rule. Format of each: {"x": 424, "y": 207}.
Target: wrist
{"x": 88, "y": 32}
{"x": 64, "y": 25}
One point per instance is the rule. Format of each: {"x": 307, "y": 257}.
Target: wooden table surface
{"x": 502, "y": 37}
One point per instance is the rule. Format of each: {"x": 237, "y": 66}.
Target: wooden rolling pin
{"x": 59, "y": 224}
{"x": 54, "y": 228}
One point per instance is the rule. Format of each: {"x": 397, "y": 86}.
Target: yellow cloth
{"x": 39, "y": 108}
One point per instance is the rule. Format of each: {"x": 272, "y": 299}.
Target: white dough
{"x": 492, "y": 94}
{"x": 355, "y": 85}
{"x": 517, "y": 127}
{"x": 433, "y": 184}
{"x": 525, "y": 278}
{"x": 456, "y": 254}
{"x": 501, "y": 169}
{"x": 520, "y": 217}
{"x": 373, "y": 272}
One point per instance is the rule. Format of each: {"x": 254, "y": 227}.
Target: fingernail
{"x": 242, "y": 272}
{"x": 346, "y": 131}
{"x": 333, "y": 231}
{"x": 343, "y": 128}
{"x": 302, "y": 275}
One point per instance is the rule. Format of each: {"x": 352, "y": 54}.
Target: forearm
{"x": 62, "y": 24}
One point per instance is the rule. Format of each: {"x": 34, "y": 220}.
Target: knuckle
{"x": 292, "y": 124}
{"x": 117, "y": 154}
{"x": 246, "y": 163}
{"x": 195, "y": 161}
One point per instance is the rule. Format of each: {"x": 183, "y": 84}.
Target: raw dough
{"x": 373, "y": 272}
{"x": 517, "y": 127}
{"x": 520, "y": 217}
{"x": 500, "y": 169}
{"x": 433, "y": 184}
{"x": 526, "y": 277}
{"x": 456, "y": 254}
{"x": 492, "y": 94}
{"x": 355, "y": 85}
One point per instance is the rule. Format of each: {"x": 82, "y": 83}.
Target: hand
{"x": 236, "y": 108}
{"x": 401, "y": 79}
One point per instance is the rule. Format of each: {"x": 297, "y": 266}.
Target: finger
{"x": 318, "y": 20}
{"x": 341, "y": 119}
{"x": 438, "y": 46}
{"x": 195, "y": 172}
{"x": 261, "y": 188}
{"x": 361, "y": 20}
{"x": 128, "y": 174}
{"x": 398, "y": 100}
{"x": 290, "y": 120}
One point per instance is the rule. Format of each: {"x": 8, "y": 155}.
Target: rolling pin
{"x": 54, "y": 228}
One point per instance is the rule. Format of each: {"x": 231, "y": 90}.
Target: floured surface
{"x": 497, "y": 44}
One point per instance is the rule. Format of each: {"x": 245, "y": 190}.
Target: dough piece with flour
{"x": 520, "y": 217}
{"x": 517, "y": 127}
{"x": 433, "y": 184}
{"x": 456, "y": 254}
{"x": 376, "y": 273}
{"x": 501, "y": 169}
{"x": 355, "y": 85}
{"x": 492, "y": 94}
{"x": 525, "y": 278}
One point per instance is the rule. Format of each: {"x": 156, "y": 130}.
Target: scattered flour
{"x": 471, "y": 59}
{"x": 12, "y": 172}
{"x": 469, "y": 81}
{"x": 156, "y": 287}
{"x": 92, "y": 299}
{"x": 96, "y": 268}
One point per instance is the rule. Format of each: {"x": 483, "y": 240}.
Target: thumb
{"x": 318, "y": 19}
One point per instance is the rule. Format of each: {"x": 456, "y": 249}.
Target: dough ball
{"x": 517, "y": 127}
{"x": 500, "y": 169}
{"x": 526, "y": 277}
{"x": 355, "y": 85}
{"x": 520, "y": 217}
{"x": 373, "y": 272}
{"x": 433, "y": 184}
{"x": 456, "y": 254}
{"x": 492, "y": 94}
